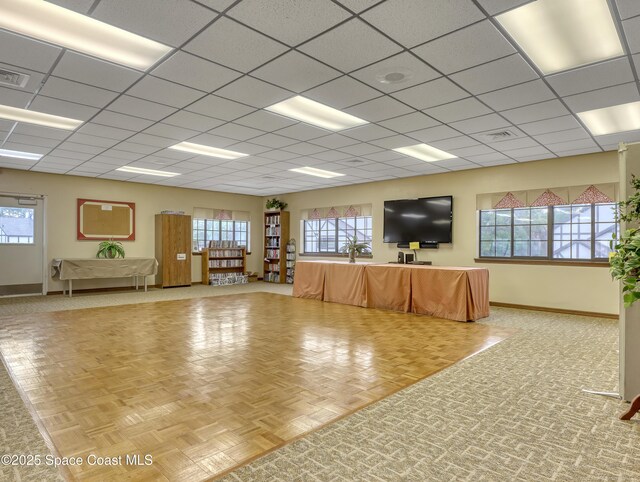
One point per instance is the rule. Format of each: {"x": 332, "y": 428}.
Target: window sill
{"x": 544, "y": 262}
{"x": 331, "y": 255}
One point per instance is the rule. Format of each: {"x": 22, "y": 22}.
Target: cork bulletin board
{"x": 101, "y": 220}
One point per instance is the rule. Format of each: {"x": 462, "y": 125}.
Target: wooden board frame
{"x": 105, "y": 224}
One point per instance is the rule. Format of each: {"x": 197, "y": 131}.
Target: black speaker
{"x": 408, "y": 258}
{"x": 400, "y": 257}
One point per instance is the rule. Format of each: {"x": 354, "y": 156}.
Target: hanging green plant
{"x": 625, "y": 260}
{"x": 110, "y": 249}
{"x": 276, "y": 204}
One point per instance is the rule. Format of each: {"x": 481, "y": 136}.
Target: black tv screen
{"x": 427, "y": 220}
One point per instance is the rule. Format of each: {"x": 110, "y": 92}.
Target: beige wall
{"x": 62, "y": 192}
{"x": 573, "y": 288}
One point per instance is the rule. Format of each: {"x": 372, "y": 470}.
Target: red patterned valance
{"x": 315, "y": 214}
{"x": 548, "y": 198}
{"x": 333, "y": 213}
{"x": 509, "y": 201}
{"x": 592, "y": 195}
{"x": 351, "y": 212}
{"x": 223, "y": 215}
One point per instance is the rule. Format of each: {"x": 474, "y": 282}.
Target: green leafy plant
{"x": 354, "y": 248}
{"x": 110, "y": 249}
{"x": 275, "y": 203}
{"x": 625, "y": 260}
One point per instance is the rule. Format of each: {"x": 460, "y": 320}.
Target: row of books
{"x": 273, "y": 243}
{"x": 225, "y": 244}
{"x": 225, "y": 263}
{"x": 225, "y": 253}
{"x": 228, "y": 279}
{"x": 272, "y": 267}
{"x": 275, "y": 219}
{"x": 272, "y": 231}
{"x": 272, "y": 277}
{"x": 273, "y": 254}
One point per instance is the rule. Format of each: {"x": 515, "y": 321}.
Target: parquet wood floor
{"x": 204, "y": 385}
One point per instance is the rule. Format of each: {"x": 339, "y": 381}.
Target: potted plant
{"x": 275, "y": 204}
{"x": 625, "y": 260}
{"x": 354, "y": 248}
{"x": 110, "y": 249}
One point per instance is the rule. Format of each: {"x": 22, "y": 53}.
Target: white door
{"x": 21, "y": 245}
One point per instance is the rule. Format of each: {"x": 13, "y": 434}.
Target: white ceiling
{"x": 233, "y": 58}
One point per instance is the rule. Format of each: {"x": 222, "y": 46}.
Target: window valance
{"x": 221, "y": 214}
{"x": 347, "y": 211}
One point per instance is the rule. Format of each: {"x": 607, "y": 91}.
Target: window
{"x": 16, "y": 225}
{"x": 565, "y": 232}
{"x": 205, "y": 230}
{"x": 329, "y": 234}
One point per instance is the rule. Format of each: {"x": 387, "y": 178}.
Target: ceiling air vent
{"x": 499, "y": 136}
{"x": 354, "y": 161}
{"x": 14, "y": 79}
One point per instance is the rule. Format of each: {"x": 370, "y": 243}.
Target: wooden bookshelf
{"x": 276, "y": 235}
{"x": 222, "y": 262}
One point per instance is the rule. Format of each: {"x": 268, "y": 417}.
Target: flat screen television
{"x": 427, "y": 220}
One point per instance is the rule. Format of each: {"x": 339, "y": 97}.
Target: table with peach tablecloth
{"x": 456, "y": 293}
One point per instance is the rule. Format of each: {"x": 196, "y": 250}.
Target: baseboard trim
{"x": 592, "y": 314}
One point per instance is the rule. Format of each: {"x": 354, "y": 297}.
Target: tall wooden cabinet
{"x": 173, "y": 250}
{"x": 276, "y": 235}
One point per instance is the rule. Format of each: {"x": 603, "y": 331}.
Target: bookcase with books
{"x": 276, "y": 235}
{"x": 224, "y": 263}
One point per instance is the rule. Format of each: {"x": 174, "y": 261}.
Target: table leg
{"x": 70, "y": 288}
{"x": 145, "y": 284}
{"x": 633, "y": 409}
{"x": 136, "y": 277}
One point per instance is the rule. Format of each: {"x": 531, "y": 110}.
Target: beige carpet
{"x": 513, "y": 412}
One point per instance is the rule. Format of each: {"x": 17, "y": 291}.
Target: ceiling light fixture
{"x": 150, "y": 172}
{"x": 424, "y": 152}
{"x": 207, "y": 150}
{"x": 561, "y": 35}
{"x": 312, "y": 171}
{"x": 315, "y": 113}
{"x": 20, "y": 155}
{"x": 66, "y": 28}
{"x": 609, "y": 120}
{"x": 38, "y": 118}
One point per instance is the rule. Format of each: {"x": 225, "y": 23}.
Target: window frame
{"x": 219, "y": 230}
{"x": 551, "y": 222}
{"x": 336, "y": 237}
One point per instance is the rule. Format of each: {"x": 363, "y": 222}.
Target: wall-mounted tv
{"x": 427, "y": 220}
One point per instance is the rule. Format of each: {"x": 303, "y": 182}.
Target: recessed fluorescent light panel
{"x": 207, "y": 150}
{"x": 150, "y": 172}
{"x": 38, "y": 118}
{"x": 66, "y": 28}
{"x": 315, "y": 113}
{"x": 312, "y": 171}
{"x": 20, "y": 155}
{"x": 563, "y": 34}
{"x": 609, "y": 120}
{"x": 424, "y": 152}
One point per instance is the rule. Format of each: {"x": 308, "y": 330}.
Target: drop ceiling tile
{"x": 458, "y": 110}
{"x": 614, "y": 139}
{"x": 265, "y": 121}
{"x": 471, "y": 46}
{"x": 80, "y": 68}
{"x": 562, "y": 136}
{"x": 303, "y": 132}
{"x": 409, "y": 122}
{"x": 72, "y": 146}
{"x": 279, "y": 155}
{"x": 476, "y": 150}
{"x": 192, "y": 71}
{"x": 412, "y": 22}
{"x": 80, "y": 6}
{"x": 572, "y": 145}
{"x": 123, "y": 155}
{"x": 68, "y": 154}
{"x": 334, "y": 141}
{"x": 368, "y": 132}
{"x": 536, "y": 112}
{"x": 479, "y": 124}
{"x": 490, "y": 159}
{"x": 253, "y": 92}
{"x": 150, "y": 140}
{"x": 136, "y": 148}
{"x": 597, "y": 99}
{"x": 415, "y": 71}
{"x": 361, "y": 149}
{"x": 35, "y": 78}
{"x": 628, "y": 8}
{"x": 304, "y": 149}
{"x": 289, "y": 21}
{"x": 455, "y": 143}
{"x": 334, "y": 156}
{"x": 236, "y": 131}
{"x": 190, "y": 120}
{"x": 108, "y": 132}
{"x": 453, "y": 163}
{"x": 171, "y": 23}
{"x": 575, "y": 152}
{"x": 394, "y": 142}
{"x": 518, "y": 95}
{"x": 12, "y": 163}
{"x": 495, "y": 75}
{"x": 62, "y": 108}
{"x": 434, "y": 134}
{"x": 24, "y": 52}
{"x": 550, "y": 125}
{"x": 121, "y": 121}
{"x": 32, "y": 140}
{"x": 350, "y": 46}
{"x": 39, "y": 131}
{"x": 358, "y": 6}
{"x": 514, "y": 145}
{"x": 296, "y": 72}
{"x": 80, "y": 93}
{"x": 342, "y": 92}
{"x": 140, "y": 108}
{"x": 174, "y": 155}
{"x": 636, "y": 62}
{"x": 632, "y": 31}
{"x": 164, "y": 92}
{"x": 213, "y": 141}
{"x": 235, "y": 46}
{"x": 171, "y": 132}
{"x": 592, "y": 77}
{"x": 220, "y": 108}
{"x": 273, "y": 140}
{"x": 379, "y": 109}
{"x": 14, "y": 97}
{"x": 498, "y": 6}
{"x": 430, "y": 94}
